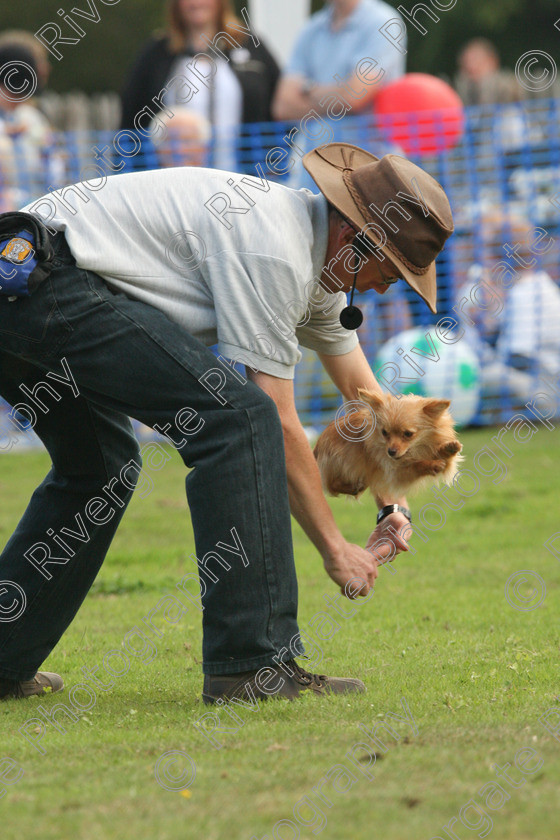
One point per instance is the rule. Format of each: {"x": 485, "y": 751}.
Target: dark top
{"x": 255, "y": 68}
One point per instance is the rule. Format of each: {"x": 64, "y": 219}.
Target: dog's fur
{"x": 418, "y": 431}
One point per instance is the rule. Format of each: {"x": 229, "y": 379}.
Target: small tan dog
{"x": 390, "y": 445}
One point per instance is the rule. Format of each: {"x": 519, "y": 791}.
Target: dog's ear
{"x": 435, "y": 408}
{"x": 371, "y": 398}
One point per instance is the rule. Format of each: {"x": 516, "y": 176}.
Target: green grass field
{"x": 476, "y": 673}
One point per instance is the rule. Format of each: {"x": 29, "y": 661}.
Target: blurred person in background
{"x": 240, "y": 91}
{"x": 326, "y": 53}
{"x": 324, "y": 67}
{"x": 529, "y": 338}
{"x": 481, "y": 80}
{"x": 384, "y": 317}
{"x": 512, "y": 325}
{"x": 480, "y": 298}
{"x": 28, "y": 164}
{"x": 181, "y": 140}
{"x": 23, "y": 38}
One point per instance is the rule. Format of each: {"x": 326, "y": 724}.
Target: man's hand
{"x": 353, "y": 568}
{"x": 391, "y": 542}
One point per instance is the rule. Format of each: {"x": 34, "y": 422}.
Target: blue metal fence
{"x": 496, "y": 339}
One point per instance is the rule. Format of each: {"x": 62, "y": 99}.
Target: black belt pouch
{"x": 26, "y": 254}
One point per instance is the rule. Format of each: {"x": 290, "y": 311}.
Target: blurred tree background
{"x": 101, "y": 59}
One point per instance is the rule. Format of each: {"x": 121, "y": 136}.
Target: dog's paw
{"x": 449, "y": 449}
{"x": 337, "y": 486}
{"x": 424, "y": 468}
{"x": 435, "y": 467}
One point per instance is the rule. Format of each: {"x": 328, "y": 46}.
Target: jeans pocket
{"x": 33, "y": 327}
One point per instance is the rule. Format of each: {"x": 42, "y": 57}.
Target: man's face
{"x": 376, "y": 274}
{"x": 476, "y": 63}
{"x": 376, "y": 270}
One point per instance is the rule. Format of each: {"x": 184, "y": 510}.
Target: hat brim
{"x": 329, "y": 180}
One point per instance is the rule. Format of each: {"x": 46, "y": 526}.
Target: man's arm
{"x": 290, "y": 101}
{"x": 349, "y": 372}
{"x": 343, "y": 561}
{"x": 295, "y": 97}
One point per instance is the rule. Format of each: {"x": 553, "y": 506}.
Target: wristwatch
{"x": 393, "y": 509}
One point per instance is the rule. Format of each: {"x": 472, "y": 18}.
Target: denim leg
{"x": 88, "y": 446}
{"x": 128, "y": 357}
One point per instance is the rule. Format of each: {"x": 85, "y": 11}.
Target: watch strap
{"x": 388, "y": 509}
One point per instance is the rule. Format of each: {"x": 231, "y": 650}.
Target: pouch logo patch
{"x": 17, "y": 250}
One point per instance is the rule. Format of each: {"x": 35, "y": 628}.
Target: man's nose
{"x": 392, "y": 452}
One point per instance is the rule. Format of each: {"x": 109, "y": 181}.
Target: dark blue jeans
{"x": 128, "y": 359}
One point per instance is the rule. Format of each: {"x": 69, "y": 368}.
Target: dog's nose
{"x": 392, "y": 452}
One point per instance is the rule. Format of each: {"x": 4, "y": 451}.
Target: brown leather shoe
{"x": 287, "y": 680}
{"x": 44, "y": 682}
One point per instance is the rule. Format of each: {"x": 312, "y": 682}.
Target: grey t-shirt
{"x": 243, "y": 281}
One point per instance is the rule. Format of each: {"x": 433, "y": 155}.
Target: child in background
{"x": 26, "y": 162}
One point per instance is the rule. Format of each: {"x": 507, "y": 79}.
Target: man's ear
{"x": 435, "y": 408}
{"x": 342, "y": 232}
{"x": 347, "y": 233}
{"x": 371, "y": 398}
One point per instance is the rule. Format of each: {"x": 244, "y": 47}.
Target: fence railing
{"x": 496, "y": 339}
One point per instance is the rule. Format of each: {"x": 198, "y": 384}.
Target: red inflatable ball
{"x": 420, "y": 113}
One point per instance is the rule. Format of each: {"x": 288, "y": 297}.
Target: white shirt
{"x": 531, "y": 323}
{"x": 28, "y": 160}
{"x": 222, "y": 107}
{"x": 150, "y": 235}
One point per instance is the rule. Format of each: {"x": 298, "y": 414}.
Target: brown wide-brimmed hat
{"x": 361, "y": 186}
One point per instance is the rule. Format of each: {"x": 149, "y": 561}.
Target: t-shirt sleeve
{"x": 375, "y": 45}
{"x": 298, "y": 63}
{"x": 320, "y": 328}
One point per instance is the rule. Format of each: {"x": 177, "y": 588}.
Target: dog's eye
{"x": 384, "y": 432}
{"x": 408, "y": 434}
